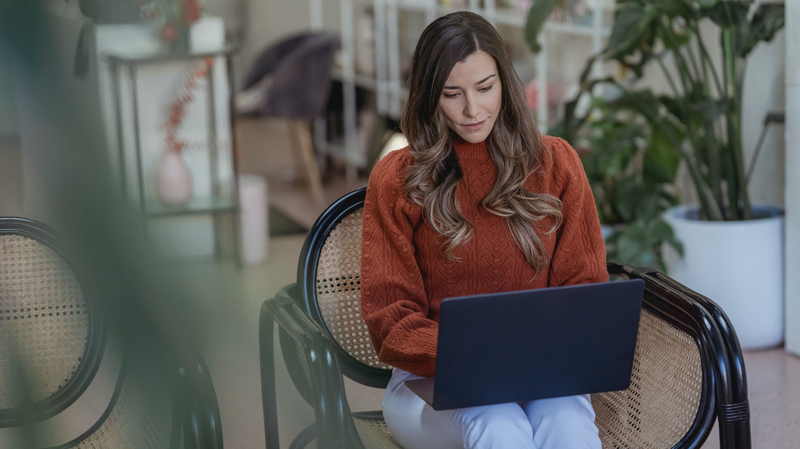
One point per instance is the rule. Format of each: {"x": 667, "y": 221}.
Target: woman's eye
{"x": 450, "y": 95}
{"x": 485, "y": 89}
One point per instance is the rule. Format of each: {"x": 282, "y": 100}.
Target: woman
{"x": 479, "y": 202}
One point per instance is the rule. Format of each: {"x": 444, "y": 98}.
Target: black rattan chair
{"x": 53, "y": 336}
{"x": 688, "y": 369}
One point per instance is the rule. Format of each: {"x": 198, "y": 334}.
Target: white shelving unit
{"x": 387, "y": 82}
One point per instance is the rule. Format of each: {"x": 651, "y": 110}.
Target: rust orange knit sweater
{"x": 405, "y": 276}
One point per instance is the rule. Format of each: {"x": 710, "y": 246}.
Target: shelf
{"x": 406, "y": 5}
{"x": 575, "y": 29}
{"x": 152, "y": 57}
{"x": 510, "y": 17}
{"x": 413, "y": 5}
{"x": 197, "y": 205}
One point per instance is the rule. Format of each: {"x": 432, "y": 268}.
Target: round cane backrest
{"x": 49, "y": 345}
{"x": 663, "y": 400}
{"x": 338, "y": 288}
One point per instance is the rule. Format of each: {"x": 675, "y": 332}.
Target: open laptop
{"x": 534, "y": 344}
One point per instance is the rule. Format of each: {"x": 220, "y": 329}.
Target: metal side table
{"x": 217, "y": 203}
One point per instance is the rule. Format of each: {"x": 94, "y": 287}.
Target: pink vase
{"x": 173, "y": 180}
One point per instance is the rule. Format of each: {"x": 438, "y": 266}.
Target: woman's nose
{"x": 471, "y": 108}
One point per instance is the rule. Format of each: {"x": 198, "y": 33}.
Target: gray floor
{"x": 228, "y": 301}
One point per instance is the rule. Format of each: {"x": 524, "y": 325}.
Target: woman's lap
{"x": 416, "y": 425}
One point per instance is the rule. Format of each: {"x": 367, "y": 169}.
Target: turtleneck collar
{"x": 465, "y": 151}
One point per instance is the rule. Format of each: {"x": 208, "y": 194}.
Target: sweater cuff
{"x": 431, "y": 348}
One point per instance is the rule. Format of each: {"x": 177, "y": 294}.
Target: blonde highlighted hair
{"x": 514, "y": 143}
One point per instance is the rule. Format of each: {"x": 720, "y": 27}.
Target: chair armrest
{"x": 738, "y": 374}
{"x": 333, "y": 417}
{"x": 733, "y": 407}
{"x": 201, "y": 422}
{"x": 730, "y": 377}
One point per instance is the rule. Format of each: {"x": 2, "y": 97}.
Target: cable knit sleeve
{"x": 580, "y": 253}
{"x": 393, "y": 298}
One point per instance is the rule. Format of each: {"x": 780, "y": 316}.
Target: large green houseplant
{"x": 728, "y": 254}
{"x": 701, "y": 114}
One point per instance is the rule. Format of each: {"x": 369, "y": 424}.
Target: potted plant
{"x": 631, "y": 171}
{"x": 700, "y": 117}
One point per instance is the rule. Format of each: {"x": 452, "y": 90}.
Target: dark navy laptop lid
{"x": 534, "y": 344}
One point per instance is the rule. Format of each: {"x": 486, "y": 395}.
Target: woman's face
{"x": 471, "y": 97}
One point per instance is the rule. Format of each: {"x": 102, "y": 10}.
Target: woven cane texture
{"x": 375, "y": 435}
{"x": 661, "y": 404}
{"x": 142, "y": 415}
{"x": 44, "y": 322}
{"x": 339, "y": 290}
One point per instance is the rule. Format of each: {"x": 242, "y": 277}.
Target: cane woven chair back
{"x": 663, "y": 400}
{"x": 50, "y": 334}
{"x": 338, "y": 288}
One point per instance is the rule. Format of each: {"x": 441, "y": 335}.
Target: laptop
{"x": 534, "y": 344}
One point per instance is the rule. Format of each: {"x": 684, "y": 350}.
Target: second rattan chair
{"x": 52, "y": 338}
{"x": 687, "y": 365}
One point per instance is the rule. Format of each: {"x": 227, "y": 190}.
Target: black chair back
{"x": 52, "y": 333}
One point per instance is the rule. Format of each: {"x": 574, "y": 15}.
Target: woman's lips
{"x": 475, "y": 126}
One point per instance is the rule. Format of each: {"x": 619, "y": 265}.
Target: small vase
{"x": 174, "y": 180}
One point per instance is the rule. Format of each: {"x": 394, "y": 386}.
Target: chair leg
{"x": 301, "y": 134}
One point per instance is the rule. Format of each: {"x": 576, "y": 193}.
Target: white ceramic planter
{"x": 739, "y": 265}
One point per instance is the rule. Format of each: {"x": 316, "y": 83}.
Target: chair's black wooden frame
{"x": 294, "y": 308}
{"x": 195, "y": 407}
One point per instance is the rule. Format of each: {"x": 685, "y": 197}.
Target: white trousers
{"x": 558, "y": 423}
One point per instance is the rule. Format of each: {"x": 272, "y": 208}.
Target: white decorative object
{"x": 174, "y": 180}
{"x": 737, "y": 264}
{"x": 253, "y": 220}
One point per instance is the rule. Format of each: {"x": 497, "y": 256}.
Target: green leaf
{"x": 671, "y": 39}
{"x": 628, "y": 200}
{"x": 632, "y": 25}
{"x": 673, "y": 107}
{"x": 661, "y": 158}
{"x": 712, "y": 109}
{"x": 659, "y": 229}
{"x": 768, "y": 20}
{"x": 537, "y": 16}
{"x": 668, "y": 199}
{"x": 727, "y": 13}
{"x": 634, "y": 246}
{"x": 676, "y": 244}
{"x": 680, "y": 8}
{"x": 642, "y": 101}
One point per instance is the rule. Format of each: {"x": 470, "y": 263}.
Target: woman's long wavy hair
{"x": 514, "y": 143}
